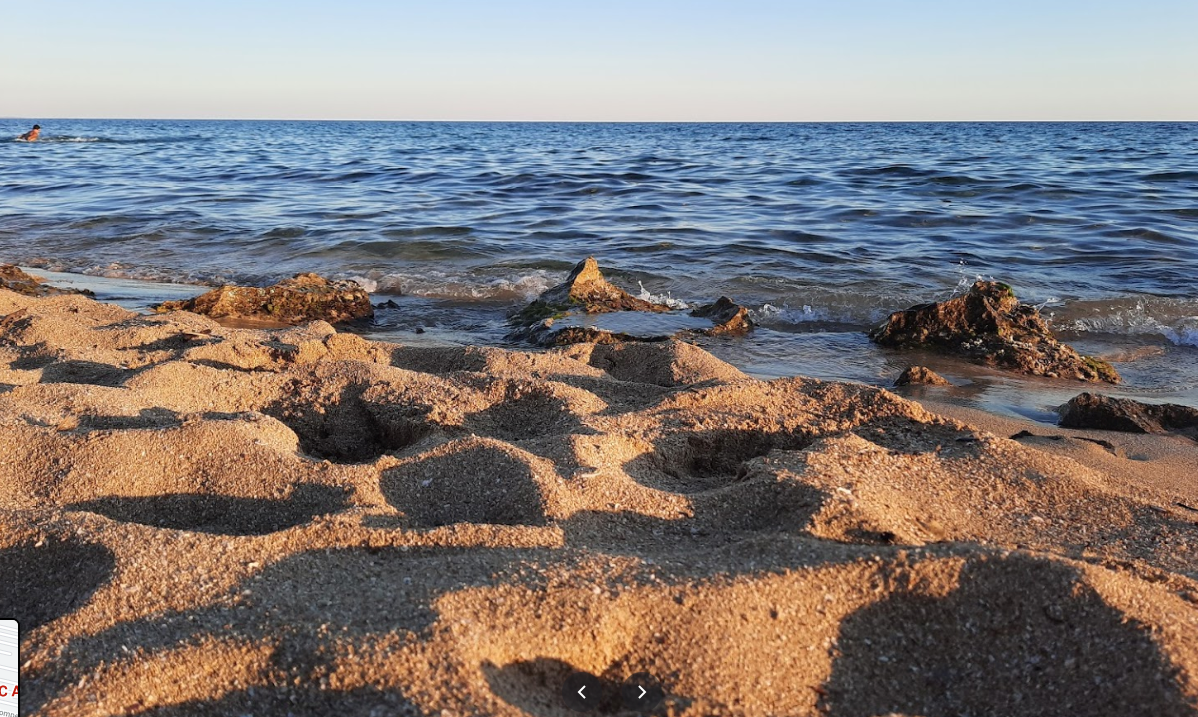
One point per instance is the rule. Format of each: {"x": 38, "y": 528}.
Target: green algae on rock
{"x": 558, "y": 317}
{"x": 989, "y": 325}
{"x": 585, "y": 291}
{"x": 306, "y": 297}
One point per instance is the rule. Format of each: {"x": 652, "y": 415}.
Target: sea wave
{"x": 61, "y": 138}
{"x": 667, "y": 299}
{"x": 71, "y": 139}
{"x": 1174, "y": 319}
{"x": 117, "y": 270}
{"x": 458, "y": 285}
{"x": 812, "y": 316}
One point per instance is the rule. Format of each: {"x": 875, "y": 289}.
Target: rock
{"x": 585, "y": 335}
{"x": 13, "y": 279}
{"x": 990, "y": 326}
{"x": 1093, "y": 410}
{"x": 306, "y": 297}
{"x": 921, "y": 375}
{"x": 584, "y": 291}
{"x": 730, "y": 319}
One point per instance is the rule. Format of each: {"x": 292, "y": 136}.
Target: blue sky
{"x": 744, "y": 60}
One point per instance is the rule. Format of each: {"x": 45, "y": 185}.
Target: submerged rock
{"x": 306, "y": 297}
{"x": 13, "y": 279}
{"x": 990, "y": 326}
{"x": 1093, "y": 410}
{"x": 558, "y": 316}
{"x": 584, "y": 291}
{"x": 921, "y": 375}
{"x": 729, "y": 318}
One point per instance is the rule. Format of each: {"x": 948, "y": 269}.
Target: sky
{"x": 615, "y": 60}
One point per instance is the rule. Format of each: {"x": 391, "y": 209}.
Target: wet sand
{"x": 211, "y": 520}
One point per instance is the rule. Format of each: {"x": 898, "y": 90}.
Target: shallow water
{"x": 822, "y": 229}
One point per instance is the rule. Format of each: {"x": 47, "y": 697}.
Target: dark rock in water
{"x": 1093, "y": 410}
{"x": 13, "y": 279}
{"x": 585, "y": 335}
{"x": 554, "y": 318}
{"x": 921, "y": 375}
{"x": 388, "y": 304}
{"x": 990, "y": 326}
{"x": 729, "y": 318}
{"x": 306, "y": 297}
{"x": 584, "y": 291}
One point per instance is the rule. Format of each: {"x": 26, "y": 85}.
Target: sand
{"x": 201, "y": 520}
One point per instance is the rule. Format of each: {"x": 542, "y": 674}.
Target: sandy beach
{"x": 222, "y": 521}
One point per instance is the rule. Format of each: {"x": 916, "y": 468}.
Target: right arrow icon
{"x": 641, "y": 692}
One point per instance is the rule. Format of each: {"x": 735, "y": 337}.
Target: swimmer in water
{"x": 31, "y": 135}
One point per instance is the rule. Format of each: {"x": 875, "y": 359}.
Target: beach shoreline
{"x": 227, "y": 520}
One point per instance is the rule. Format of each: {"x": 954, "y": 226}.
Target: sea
{"x": 821, "y": 229}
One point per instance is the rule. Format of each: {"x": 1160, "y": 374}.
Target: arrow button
{"x": 641, "y": 692}
{"x": 582, "y": 691}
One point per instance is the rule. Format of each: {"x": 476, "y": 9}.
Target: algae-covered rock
{"x": 306, "y": 297}
{"x": 1093, "y": 410}
{"x": 586, "y": 291}
{"x": 558, "y": 316}
{"x": 730, "y": 318}
{"x": 989, "y": 325}
{"x": 13, "y": 279}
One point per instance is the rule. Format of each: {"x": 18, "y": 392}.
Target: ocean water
{"x": 822, "y": 229}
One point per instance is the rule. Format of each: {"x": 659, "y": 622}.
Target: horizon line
{"x": 577, "y": 121}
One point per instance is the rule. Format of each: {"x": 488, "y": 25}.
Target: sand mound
{"x": 217, "y": 521}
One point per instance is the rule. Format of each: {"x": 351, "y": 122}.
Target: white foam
{"x": 370, "y": 285}
{"x": 1183, "y": 337}
{"x": 1166, "y": 318}
{"x": 437, "y": 284}
{"x": 808, "y": 314}
{"x": 663, "y": 299}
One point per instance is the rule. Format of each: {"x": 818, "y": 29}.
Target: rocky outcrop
{"x": 1104, "y": 413}
{"x": 557, "y": 317}
{"x": 585, "y": 291}
{"x": 990, "y": 326}
{"x": 730, "y": 319}
{"x": 921, "y": 375}
{"x": 306, "y": 297}
{"x": 13, "y": 279}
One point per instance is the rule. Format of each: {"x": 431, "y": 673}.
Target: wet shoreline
{"x": 1154, "y": 369}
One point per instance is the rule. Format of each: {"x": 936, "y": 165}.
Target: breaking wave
{"x": 1173, "y": 319}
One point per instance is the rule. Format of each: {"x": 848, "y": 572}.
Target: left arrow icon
{"x": 582, "y": 691}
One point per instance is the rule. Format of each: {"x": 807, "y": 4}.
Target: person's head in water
{"x": 31, "y": 135}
